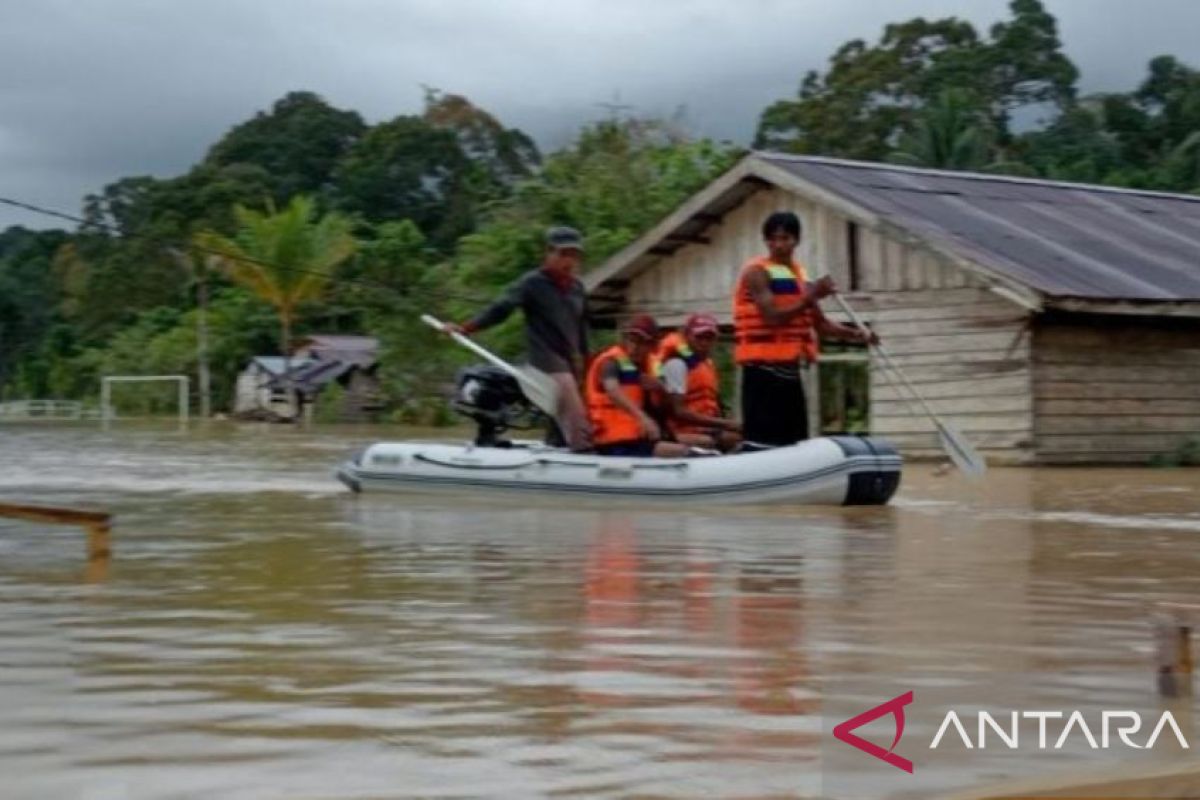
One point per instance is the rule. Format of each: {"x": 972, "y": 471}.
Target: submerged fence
{"x": 47, "y": 409}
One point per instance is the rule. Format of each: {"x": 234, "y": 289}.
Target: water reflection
{"x": 262, "y": 632}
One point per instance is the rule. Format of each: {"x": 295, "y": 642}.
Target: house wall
{"x": 1114, "y": 389}
{"x": 362, "y": 398}
{"x": 967, "y": 352}
{"x": 252, "y": 394}
{"x": 700, "y": 277}
{"x": 966, "y": 349}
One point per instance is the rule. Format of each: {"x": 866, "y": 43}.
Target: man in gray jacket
{"x": 553, "y": 301}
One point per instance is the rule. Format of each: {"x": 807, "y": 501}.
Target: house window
{"x": 844, "y": 389}
{"x": 852, "y": 265}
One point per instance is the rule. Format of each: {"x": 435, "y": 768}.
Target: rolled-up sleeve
{"x": 675, "y": 375}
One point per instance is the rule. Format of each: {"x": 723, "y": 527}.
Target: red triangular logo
{"x": 895, "y": 707}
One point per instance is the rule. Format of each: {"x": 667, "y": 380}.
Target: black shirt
{"x": 555, "y": 320}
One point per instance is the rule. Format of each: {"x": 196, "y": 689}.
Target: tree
{"x": 27, "y": 293}
{"x": 951, "y": 132}
{"x": 297, "y": 143}
{"x": 870, "y": 95}
{"x": 1075, "y": 147}
{"x": 1025, "y": 64}
{"x": 406, "y": 169}
{"x": 503, "y": 156}
{"x": 284, "y": 257}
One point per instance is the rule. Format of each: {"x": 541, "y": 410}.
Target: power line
{"x": 168, "y": 244}
{"x": 406, "y": 293}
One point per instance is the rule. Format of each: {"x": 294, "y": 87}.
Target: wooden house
{"x": 1051, "y": 322}
{"x": 351, "y": 362}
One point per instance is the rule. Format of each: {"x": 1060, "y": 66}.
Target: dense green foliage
{"x": 938, "y": 94}
{"x": 435, "y": 211}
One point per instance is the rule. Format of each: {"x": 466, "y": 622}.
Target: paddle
{"x": 536, "y": 385}
{"x": 958, "y": 448}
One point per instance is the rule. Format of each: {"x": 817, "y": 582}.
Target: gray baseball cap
{"x": 564, "y": 237}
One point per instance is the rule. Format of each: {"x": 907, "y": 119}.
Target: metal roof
{"x": 275, "y": 364}
{"x": 341, "y": 343}
{"x": 1062, "y": 239}
{"x": 1068, "y": 242}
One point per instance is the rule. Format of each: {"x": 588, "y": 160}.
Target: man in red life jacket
{"x": 689, "y": 379}
{"x": 615, "y": 389}
{"x": 778, "y": 323}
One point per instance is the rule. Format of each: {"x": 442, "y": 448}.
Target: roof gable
{"x": 1061, "y": 240}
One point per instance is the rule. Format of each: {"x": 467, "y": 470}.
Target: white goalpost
{"x": 107, "y": 381}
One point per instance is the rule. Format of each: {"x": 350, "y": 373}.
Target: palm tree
{"x": 952, "y": 132}
{"x": 284, "y": 257}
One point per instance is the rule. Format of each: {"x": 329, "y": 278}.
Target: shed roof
{"x": 1062, "y": 240}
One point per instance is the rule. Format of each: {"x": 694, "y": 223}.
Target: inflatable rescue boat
{"x": 834, "y": 470}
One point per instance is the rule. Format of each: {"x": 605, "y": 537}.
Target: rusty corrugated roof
{"x": 1063, "y": 239}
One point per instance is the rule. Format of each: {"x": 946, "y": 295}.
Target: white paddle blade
{"x": 964, "y": 456}
{"x": 537, "y": 386}
{"x": 540, "y": 388}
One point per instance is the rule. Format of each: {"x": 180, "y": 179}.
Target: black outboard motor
{"x": 493, "y": 398}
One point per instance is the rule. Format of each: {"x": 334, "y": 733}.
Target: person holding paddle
{"x": 778, "y": 321}
{"x": 554, "y": 303}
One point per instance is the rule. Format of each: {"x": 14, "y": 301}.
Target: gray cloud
{"x": 91, "y": 92}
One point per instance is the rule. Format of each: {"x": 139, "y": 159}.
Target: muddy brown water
{"x": 261, "y": 632}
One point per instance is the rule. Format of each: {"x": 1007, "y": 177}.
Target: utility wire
{"x": 168, "y": 244}
{"x": 406, "y": 294}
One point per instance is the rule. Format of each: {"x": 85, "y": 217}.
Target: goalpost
{"x": 108, "y": 380}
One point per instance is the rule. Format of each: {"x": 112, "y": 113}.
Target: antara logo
{"x": 895, "y": 707}
{"x": 1124, "y": 724}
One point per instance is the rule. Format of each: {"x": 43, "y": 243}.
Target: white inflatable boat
{"x": 837, "y": 470}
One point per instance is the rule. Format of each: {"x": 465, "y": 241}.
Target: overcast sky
{"x": 95, "y": 90}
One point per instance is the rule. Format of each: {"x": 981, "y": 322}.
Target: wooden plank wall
{"x": 966, "y": 348}
{"x": 968, "y": 352}
{"x": 1110, "y": 389}
{"x": 700, "y": 277}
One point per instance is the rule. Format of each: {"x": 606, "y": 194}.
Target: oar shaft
{"x": 478, "y": 350}
{"x": 887, "y": 360}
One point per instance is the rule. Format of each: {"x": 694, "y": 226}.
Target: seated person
{"x": 689, "y": 378}
{"x": 616, "y": 396}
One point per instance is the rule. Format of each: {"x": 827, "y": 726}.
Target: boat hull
{"x": 837, "y": 470}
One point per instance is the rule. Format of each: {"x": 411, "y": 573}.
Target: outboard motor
{"x": 493, "y": 399}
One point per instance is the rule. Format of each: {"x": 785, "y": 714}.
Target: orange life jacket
{"x": 755, "y": 339}
{"x": 703, "y": 391}
{"x": 610, "y": 422}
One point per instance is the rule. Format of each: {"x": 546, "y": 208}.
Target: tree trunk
{"x": 289, "y": 384}
{"x": 202, "y": 340}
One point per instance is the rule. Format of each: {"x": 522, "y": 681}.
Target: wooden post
{"x": 98, "y": 524}
{"x": 1173, "y": 650}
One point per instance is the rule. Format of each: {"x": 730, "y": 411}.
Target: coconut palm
{"x": 951, "y": 132}
{"x": 284, "y": 257}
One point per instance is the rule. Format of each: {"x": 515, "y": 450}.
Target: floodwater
{"x": 261, "y": 632}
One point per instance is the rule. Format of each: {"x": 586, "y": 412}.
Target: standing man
{"x": 555, "y": 325}
{"x": 777, "y": 323}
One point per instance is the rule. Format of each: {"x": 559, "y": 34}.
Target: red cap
{"x": 642, "y": 325}
{"x": 701, "y": 323}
